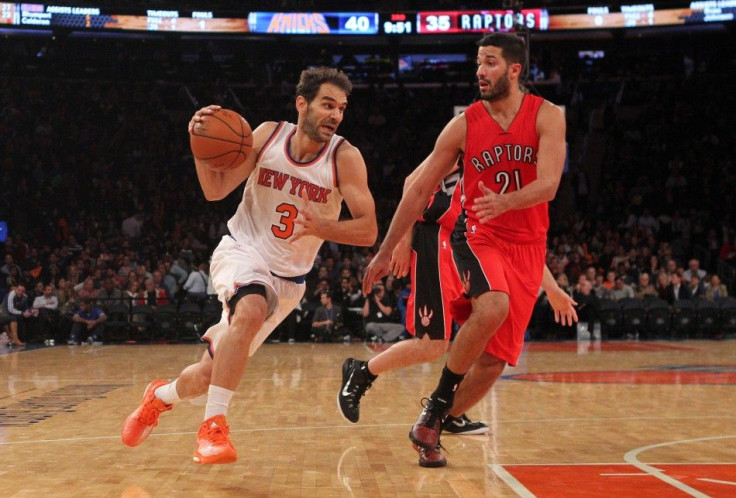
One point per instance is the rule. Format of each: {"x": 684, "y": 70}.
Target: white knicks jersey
{"x": 271, "y": 202}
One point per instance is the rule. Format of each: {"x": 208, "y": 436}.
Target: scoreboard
{"x": 596, "y": 16}
{"x": 314, "y": 23}
{"x": 481, "y": 21}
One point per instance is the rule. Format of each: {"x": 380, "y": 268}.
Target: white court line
{"x": 166, "y": 434}
{"x": 619, "y": 474}
{"x": 717, "y": 481}
{"x": 632, "y": 457}
{"x": 511, "y": 481}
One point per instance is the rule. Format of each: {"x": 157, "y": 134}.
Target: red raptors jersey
{"x": 505, "y": 160}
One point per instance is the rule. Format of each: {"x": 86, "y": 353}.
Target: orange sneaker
{"x": 141, "y": 422}
{"x": 213, "y": 443}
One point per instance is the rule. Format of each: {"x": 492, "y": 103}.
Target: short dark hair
{"x": 325, "y": 293}
{"x": 513, "y": 49}
{"x": 312, "y": 79}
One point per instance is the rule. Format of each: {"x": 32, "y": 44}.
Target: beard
{"x": 499, "y": 89}
{"x": 311, "y": 128}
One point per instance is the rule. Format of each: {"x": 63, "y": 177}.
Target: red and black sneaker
{"x": 426, "y": 430}
{"x": 430, "y": 458}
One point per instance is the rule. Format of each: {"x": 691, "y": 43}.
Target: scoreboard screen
{"x": 65, "y": 16}
{"x": 612, "y": 15}
{"x": 314, "y": 23}
{"x": 645, "y": 14}
{"x": 481, "y": 21}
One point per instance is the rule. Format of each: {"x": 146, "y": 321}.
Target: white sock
{"x": 167, "y": 393}
{"x": 217, "y": 400}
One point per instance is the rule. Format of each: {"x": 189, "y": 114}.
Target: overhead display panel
{"x": 591, "y": 17}
{"x": 314, "y": 23}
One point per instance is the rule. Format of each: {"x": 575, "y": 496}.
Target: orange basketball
{"x": 222, "y": 140}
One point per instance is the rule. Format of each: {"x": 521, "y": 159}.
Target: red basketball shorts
{"x": 487, "y": 263}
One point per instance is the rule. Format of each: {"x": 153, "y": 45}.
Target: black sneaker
{"x": 463, "y": 425}
{"x": 354, "y": 385}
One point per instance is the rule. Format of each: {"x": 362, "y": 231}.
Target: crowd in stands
{"x": 103, "y": 205}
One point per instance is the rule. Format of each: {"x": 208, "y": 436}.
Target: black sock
{"x": 445, "y": 392}
{"x": 367, "y": 373}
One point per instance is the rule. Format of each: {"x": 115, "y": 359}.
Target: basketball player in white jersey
{"x": 298, "y": 176}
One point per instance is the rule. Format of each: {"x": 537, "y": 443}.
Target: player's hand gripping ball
{"x": 222, "y": 140}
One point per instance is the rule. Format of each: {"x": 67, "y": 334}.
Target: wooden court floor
{"x": 639, "y": 419}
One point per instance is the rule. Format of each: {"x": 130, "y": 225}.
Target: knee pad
{"x": 243, "y": 291}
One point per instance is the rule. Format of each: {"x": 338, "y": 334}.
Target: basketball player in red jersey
{"x": 437, "y": 298}
{"x": 513, "y": 145}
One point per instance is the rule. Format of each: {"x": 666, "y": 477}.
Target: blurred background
{"x": 99, "y": 191}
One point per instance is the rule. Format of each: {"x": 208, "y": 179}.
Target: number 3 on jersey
{"x": 285, "y": 227}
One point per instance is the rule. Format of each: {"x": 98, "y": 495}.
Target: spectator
{"x": 90, "y": 321}
{"x": 154, "y": 296}
{"x": 46, "y": 309}
{"x": 132, "y": 226}
{"x": 327, "y": 324}
{"x": 648, "y": 223}
{"x": 160, "y": 282}
{"x": 697, "y": 288}
{"x": 377, "y": 313}
{"x": 7, "y": 265}
{"x": 322, "y": 285}
{"x": 662, "y": 285}
{"x": 196, "y": 284}
{"x": 86, "y": 290}
{"x": 179, "y": 269}
{"x": 132, "y": 294}
{"x": 715, "y": 289}
{"x": 127, "y": 266}
{"x": 564, "y": 283}
{"x": 143, "y": 274}
{"x": 599, "y": 290}
{"x": 610, "y": 282}
{"x": 693, "y": 268}
{"x": 621, "y": 290}
{"x": 587, "y": 303}
{"x": 677, "y": 291}
{"x": 109, "y": 294}
{"x": 67, "y": 298}
{"x": 645, "y": 288}
{"x": 18, "y": 311}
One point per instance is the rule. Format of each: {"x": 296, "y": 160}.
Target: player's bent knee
{"x": 491, "y": 307}
{"x": 436, "y": 348}
{"x": 487, "y": 361}
{"x": 249, "y": 303}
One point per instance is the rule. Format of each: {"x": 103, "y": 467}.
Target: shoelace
{"x": 151, "y": 412}
{"x": 434, "y": 412}
{"x": 358, "y": 390}
{"x": 217, "y": 434}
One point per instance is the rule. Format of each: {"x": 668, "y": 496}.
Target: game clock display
{"x": 398, "y": 23}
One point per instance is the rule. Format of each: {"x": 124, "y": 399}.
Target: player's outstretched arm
{"x": 217, "y": 185}
{"x": 434, "y": 168}
{"x": 401, "y": 255}
{"x": 362, "y": 229}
